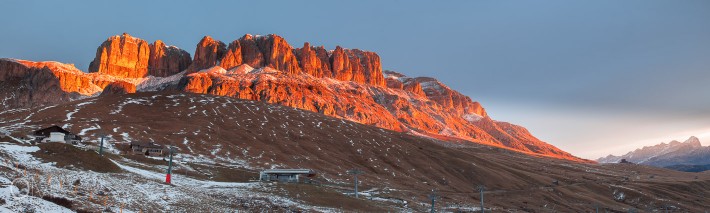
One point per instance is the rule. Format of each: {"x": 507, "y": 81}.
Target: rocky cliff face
{"x": 118, "y": 88}
{"x": 122, "y": 56}
{"x": 278, "y": 54}
{"x": 207, "y": 54}
{"x": 167, "y": 60}
{"x": 273, "y": 51}
{"x": 32, "y": 84}
{"x": 314, "y": 61}
{"x": 449, "y": 98}
{"x": 125, "y": 56}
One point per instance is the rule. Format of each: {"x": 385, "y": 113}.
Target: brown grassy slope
{"x": 69, "y": 156}
{"x": 265, "y": 136}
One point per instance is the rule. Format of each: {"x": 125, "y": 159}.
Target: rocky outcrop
{"x": 208, "y": 53}
{"x": 122, "y": 56}
{"x": 196, "y": 83}
{"x": 357, "y": 65}
{"x": 314, "y": 61}
{"x": 340, "y": 63}
{"x": 28, "y": 84}
{"x": 125, "y": 56}
{"x": 233, "y": 57}
{"x": 449, "y": 98}
{"x": 368, "y": 65}
{"x": 273, "y": 51}
{"x": 413, "y": 86}
{"x": 251, "y": 54}
{"x": 278, "y": 54}
{"x": 118, "y": 88}
{"x": 394, "y": 83}
{"x": 167, "y": 60}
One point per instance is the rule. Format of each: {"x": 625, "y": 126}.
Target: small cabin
{"x": 55, "y": 134}
{"x": 285, "y": 175}
{"x": 148, "y": 148}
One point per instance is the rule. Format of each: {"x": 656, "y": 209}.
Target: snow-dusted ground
{"x": 134, "y": 190}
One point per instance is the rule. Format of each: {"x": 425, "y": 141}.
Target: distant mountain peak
{"x": 688, "y": 152}
{"x": 694, "y": 141}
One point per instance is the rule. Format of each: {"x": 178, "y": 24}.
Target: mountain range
{"x": 678, "y": 155}
{"x": 232, "y": 111}
{"x": 341, "y": 83}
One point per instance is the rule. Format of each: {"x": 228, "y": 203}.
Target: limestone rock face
{"x": 314, "y": 61}
{"x": 273, "y": 51}
{"x": 208, "y": 53}
{"x": 251, "y": 54}
{"x": 233, "y": 57}
{"x": 122, "y": 56}
{"x": 167, "y": 60}
{"x": 340, "y": 63}
{"x": 278, "y": 54}
{"x": 394, "y": 83}
{"x": 367, "y": 65}
{"x": 449, "y": 98}
{"x": 197, "y": 83}
{"x": 29, "y": 84}
{"x": 414, "y": 87}
{"x": 118, "y": 88}
{"x": 324, "y": 58}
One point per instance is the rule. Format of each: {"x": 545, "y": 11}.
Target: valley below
{"x": 222, "y": 144}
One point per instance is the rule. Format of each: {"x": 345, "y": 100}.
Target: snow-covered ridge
{"x": 152, "y": 83}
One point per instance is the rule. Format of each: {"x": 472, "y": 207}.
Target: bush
{"x": 59, "y": 201}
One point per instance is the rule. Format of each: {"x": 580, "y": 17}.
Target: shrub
{"x": 59, "y": 201}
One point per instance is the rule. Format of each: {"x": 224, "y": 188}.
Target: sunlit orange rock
{"x": 340, "y": 63}
{"x": 278, "y": 54}
{"x": 312, "y": 60}
{"x": 414, "y": 87}
{"x": 251, "y": 54}
{"x": 167, "y": 60}
{"x": 207, "y": 54}
{"x": 368, "y": 66}
{"x": 118, "y": 87}
{"x": 449, "y": 98}
{"x": 28, "y": 84}
{"x": 233, "y": 57}
{"x": 122, "y": 56}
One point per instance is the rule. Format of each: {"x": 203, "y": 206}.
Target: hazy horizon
{"x": 592, "y": 78}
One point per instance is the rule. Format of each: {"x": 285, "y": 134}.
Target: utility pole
{"x": 355, "y": 172}
{"x": 481, "y": 188}
{"x": 101, "y": 147}
{"x": 170, "y": 165}
{"x": 433, "y": 196}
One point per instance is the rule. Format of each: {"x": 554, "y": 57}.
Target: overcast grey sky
{"x": 592, "y": 77}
